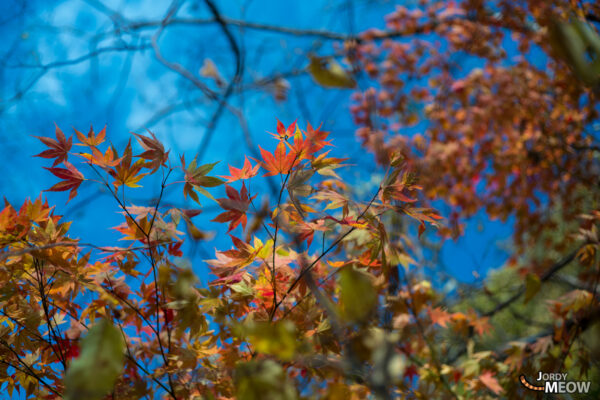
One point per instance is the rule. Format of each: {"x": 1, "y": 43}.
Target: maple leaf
{"x": 317, "y": 138}
{"x": 134, "y": 230}
{"x": 337, "y": 264}
{"x": 236, "y": 205}
{"x": 125, "y": 173}
{"x": 72, "y": 179}
{"x": 229, "y": 265}
{"x": 481, "y": 325}
{"x": 395, "y": 192}
{"x": 488, "y": 379}
{"x": 306, "y": 147}
{"x": 335, "y": 199}
{"x": 91, "y": 140}
{"x": 411, "y": 371}
{"x": 174, "y": 249}
{"x": 104, "y": 161}
{"x": 246, "y": 172}
{"x": 325, "y": 165}
{"x": 577, "y": 299}
{"x": 423, "y": 215}
{"x": 68, "y": 347}
{"x": 280, "y": 162}
{"x": 37, "y": 211}
{"x": 348, "y": 221}
{"x": 284, "y": 133}
{"x": 228, "y": 280}
{"x": 306, "y": 230}
{"x": 152, "y": 224}
{"x": 58, "y": 148}
{"x": 195, "y": 178}
{"x": 439, "y": 316}
{"x": 542, "y": 345}
{"x": 154, "y": 151}
{"x": 297, "y": 187}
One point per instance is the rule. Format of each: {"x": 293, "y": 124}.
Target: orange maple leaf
{"x": 439, "y": 316}
{"x": 246, "y": 172}
{"x": 488, "y": 379}
{"x": 105, "y": 160}
{"x": 348, "y": 221}
{"x": 306, "y": 147}
{"x": 279, "y": 162}
{"x": 481, "y": 325}
{"x": 92, "y": 139}
{"x": 125, "y": 173}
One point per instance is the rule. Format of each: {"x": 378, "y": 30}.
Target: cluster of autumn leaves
{"x": 315, "y": 296}
{"x": 286, "y": 314}
{"x": 507, "y": 127}
{"x": 507, "y": 134}
{"x": 319, "y": 294}
{"x": 137, "y": 300}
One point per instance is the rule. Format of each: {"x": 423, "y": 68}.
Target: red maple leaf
{"x": 72, "y": 179}
{"x": 456, "y": 375}
{"x": 236, "y": 204}
{"x": 168, "y": 314}
{"x": 174, "y": 249}
{"x": 73, "y": 351}
{"x": 284, "y": 133}
{"x": 68, "y": 347}
{"x": 58, "y": 148}
{"x": 246, "y": 172}
{"x": 154, "y": 151}
{"x": 395, "y": 192}
{"x": 410, "y": 372}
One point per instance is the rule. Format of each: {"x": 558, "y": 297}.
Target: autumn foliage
{"x": 180, "y": 339}
{"x": 320, "y": 293}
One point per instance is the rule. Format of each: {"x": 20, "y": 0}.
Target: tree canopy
{"x": 324, "y": 274}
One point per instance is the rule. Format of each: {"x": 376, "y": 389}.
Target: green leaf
{"x": 208, "y": 181}
{"x": 242, "y": 288}
{"x": 327, "y": 72}
{"x": 204, "y": 192}
{"x": 262, "y": 379}
{"x": 532, "y": 286}
{"x": 276, "y": 338}
{"x": 94, "y": 373}
{"x": 203, "y": 169}
{"x": 358, "y": 297}
{"x": 184, "y": 285}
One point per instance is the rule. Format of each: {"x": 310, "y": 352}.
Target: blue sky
{"x": 128, "y": 90}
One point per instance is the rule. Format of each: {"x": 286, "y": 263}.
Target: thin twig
{"x": 28, "y": 369}
{"x": 323, "y": 254}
